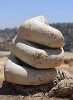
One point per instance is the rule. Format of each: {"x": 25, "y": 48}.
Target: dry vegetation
{"x": 10, "y": 91}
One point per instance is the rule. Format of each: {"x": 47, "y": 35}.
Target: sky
{"x": 14, "y": 12}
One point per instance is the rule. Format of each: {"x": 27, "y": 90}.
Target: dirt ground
{"x": 10, "y": 91}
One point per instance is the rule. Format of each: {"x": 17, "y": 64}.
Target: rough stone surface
{"x": 21, "y": 73}
{"x": 64, "y": 88}
{"x": 40, "y": 18}
{"x": 39, "y": 32}
{"x": 29, "y": 53}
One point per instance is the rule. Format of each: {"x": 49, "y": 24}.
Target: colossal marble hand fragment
{"x": 32, "y": 62}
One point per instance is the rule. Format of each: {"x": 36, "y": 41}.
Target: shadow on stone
{"x": 15, "y": 89}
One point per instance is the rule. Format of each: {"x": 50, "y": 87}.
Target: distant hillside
{"x": 67, "y": 31}
{"x": 7, "y": 35}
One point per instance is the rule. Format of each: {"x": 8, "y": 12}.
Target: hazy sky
{"x": 13, "y": 12}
